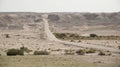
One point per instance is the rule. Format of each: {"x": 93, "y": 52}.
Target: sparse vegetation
{"x": 56, "y": 49}
{"x": 93, "y": 35}
{"x": 14, "y": 52}
{"x": 69, "y": 52}
{"x": 41, "y": 53}
{"x": 25, "y": 49}
{"x": 55, "y": 61}
{"x": 80, "y": 52}
{"x": 7, "y": 35}
{"x": 32, "y": 29}
{"x": 104, "y": 53}
{"x": 61, "y": 36}
{"x": 71, "y": 40}
{"x": 79, "y": 40}
{"x": 109, "y": 53}
{"x": 101, "y": 53}
{"x": 91, "y": 50}
{"x": 73, "y": 36}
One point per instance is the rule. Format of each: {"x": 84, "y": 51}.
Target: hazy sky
{"x": 60, "y": 5}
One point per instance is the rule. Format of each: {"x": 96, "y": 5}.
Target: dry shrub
{"x": 14, "y": 52}
{"x": 80, "y": 52}
{"x": 69, "y": 52}
{"x": 41, "y": 53}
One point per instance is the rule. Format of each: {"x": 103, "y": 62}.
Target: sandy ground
{"x": 106, "y": 43}
{"x": 59, "y": 61}
{"x": 43, "y": 39}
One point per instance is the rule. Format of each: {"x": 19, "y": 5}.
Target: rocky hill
{"x": 99, "y": 23}
{"x": 33, "y": 30}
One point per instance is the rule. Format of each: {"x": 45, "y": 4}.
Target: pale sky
{"x": 59, "y": 5}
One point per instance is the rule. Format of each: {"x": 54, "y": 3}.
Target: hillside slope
{"x": 99, "y": 23}
{"x": 23, "y": 28}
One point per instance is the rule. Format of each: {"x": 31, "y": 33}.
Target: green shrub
{"x": 41, "y": 53}
{"x": 93, "y": 35}
{"x": 14, "y": 52}
{"x": 80, "y": 52}
{"x": 101, "y": 53}
{"x": 60, "y": 35}
{"x": 91, "y": 50}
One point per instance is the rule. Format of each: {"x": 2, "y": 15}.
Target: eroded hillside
{"x": 99, "y": 23}
{"x": 32, "y": 29}
{"x": 83, "y": 23}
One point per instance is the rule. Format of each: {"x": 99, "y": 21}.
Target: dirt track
{"x": 51, "y": 37}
